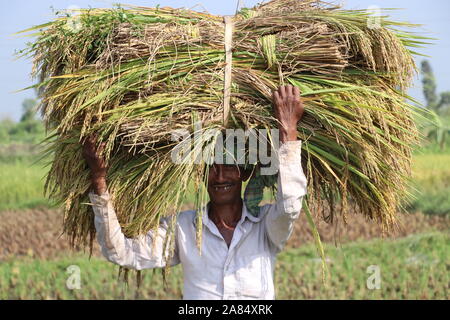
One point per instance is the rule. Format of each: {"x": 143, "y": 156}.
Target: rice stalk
{"x": 132, "y": 75}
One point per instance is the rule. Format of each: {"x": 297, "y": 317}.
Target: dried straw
{"x": 134, "y": 75}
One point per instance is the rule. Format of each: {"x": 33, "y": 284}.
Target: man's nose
{"x": 219, "y": 173}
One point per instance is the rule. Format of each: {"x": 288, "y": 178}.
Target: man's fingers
{"x": 90, "y": 139}
{"x": 282, "y": 91}
{"x": 102, "y": 146}
{"x": 296, "y": 93}
{"x": 90, "y": 145}
{"x": 290, "y": 90}
{"x": 87, "y": 142}
{"x": 276, "y": 102}
{"x": 276, "y": 96}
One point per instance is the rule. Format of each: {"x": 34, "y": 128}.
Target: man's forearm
{"x": 99, "y": 185}
{"x": 133, "y": 253}
{"x": 288, "y": 134}
{"x": 291, "y": 190}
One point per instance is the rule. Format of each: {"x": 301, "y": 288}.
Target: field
{"x": 25, "y": 185}
{"x": 413, "y": 261}
{"x": 415, "y": 267}
{"x": 432, "y": 180}
{"x": 21, "y": 178}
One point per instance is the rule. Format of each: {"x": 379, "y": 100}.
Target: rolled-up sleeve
{"x": 143, "y": 252}
{"x": 280, "y": 218}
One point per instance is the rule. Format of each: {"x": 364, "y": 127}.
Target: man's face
{"x": 225, "y": 183}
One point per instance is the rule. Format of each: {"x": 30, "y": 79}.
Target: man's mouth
{"x": 222, "y": 187}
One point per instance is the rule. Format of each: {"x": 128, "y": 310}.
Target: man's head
{"x": 225, "y": 183}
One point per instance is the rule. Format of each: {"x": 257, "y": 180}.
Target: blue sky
{"x": 21, "y": 14}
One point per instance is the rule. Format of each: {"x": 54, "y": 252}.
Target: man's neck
{"x": 227, "y": 215}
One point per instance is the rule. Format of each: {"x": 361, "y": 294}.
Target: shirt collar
{"x": 245, "y": 215}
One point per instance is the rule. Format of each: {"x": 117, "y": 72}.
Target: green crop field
{"x": 21, "y": 184}
{"x": 431, "y": 176}
{"x": 415, "y": 267}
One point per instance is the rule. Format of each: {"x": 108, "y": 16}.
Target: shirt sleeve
{"x": 280, "y": 218}
{"x": 143, "y": 252}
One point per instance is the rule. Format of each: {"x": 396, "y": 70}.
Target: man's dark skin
{"x": 224, "y": 181}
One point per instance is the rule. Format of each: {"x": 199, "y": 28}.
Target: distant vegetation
{"x": 438, "y": 130}
{"x": 29, "y": 130}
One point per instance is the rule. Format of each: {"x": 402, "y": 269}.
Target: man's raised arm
{"x": 280, "y": 219}
{"x": 139, "y": 253}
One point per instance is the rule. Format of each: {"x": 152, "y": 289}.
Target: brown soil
{"x": 358, "y": 228}
{"x": 37, "y": 232}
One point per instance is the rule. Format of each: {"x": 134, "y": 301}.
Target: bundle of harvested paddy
{"x": 134, "y": 75}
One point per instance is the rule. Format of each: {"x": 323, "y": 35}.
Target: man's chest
{"x": 221, "y": 247}
{"x": 244, "y": 266}
{"x": 227, "y": 235}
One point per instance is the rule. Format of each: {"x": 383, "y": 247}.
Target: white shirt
{"x": 242, "y": 271}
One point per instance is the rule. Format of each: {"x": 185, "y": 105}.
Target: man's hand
{"x": 96, "y": 163}
{"x": 288, "y": 110}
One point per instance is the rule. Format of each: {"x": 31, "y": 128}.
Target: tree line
{"x": 438, "y": 129}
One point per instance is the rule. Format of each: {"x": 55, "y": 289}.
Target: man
{"x": 238, "y": 254}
